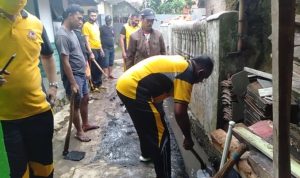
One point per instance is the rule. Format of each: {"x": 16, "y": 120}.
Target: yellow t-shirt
{"x": 93, "y": 32}
{"x": 157, "y": 78}
{"x": 129, "y": 30}
{"x": 22, "y": 95}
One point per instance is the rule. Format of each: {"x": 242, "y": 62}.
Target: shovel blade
{"x": 74, "y": 155}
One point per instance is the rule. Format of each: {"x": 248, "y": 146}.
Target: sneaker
{"x": 143, "y": 159}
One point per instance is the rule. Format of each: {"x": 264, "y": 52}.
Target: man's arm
{"x": 162, "y": 45}
{"x": 182, "y": 119}
{"x": 85, "y": 32}
{"x": 48, "y": 63}
{"x": 69, "y": 73}
{"x": 122, "y": 42}
{"x": 131, "y": 52}
{"x": 91, "y": 54}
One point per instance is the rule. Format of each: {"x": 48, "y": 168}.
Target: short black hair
{"x": 205, "y": 62}
{"x": 92, "y": 10}
{"x": 135, "y": 15}
{"x": 72, "y": 9}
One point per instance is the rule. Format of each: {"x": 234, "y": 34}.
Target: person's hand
{"x": 88, "y": 77}
{"x": 102, "y": 53}
{"x": 2, "y": 78}
{"x": 188, "y": 143}
{"x": 75, "y": 88}
{"x": 92, "y": 56}
{"x": 51, "y": 95}
{"x": 124, "y": 55}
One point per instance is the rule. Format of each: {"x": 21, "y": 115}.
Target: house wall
{"x": 46, "y": 18}
{"x": 215, "y": 6}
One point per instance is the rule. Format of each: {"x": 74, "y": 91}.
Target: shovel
{"x": 205, "y": 171}
{"x": 71, "y": 155}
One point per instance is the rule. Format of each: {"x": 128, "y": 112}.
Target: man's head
{"x": 12, "y": 7}
{"x": 147, "y": 17}
{"x": 202, "y": 67}
{"x": 108, "y": 20}
{"x": 73, "y": 16}
{"x": 134, "y": 20}
{"x": 92, "y": 13}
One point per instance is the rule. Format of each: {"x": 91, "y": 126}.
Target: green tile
{"x": 4, "y": 167}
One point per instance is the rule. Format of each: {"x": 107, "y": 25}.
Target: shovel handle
{"x": 203, "y": 165}
{"x": 230, "y": 163}
{"x": 72, "y": 110}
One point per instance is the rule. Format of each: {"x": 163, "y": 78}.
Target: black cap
{"x": 108, "y": 18}
{"x": 147, "y": 13}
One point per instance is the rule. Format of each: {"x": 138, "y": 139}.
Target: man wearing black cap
{"x": 108, "y": 41}
{"x": 145, "y": 42}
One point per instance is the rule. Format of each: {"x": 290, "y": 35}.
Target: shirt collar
{"x": 24, "y": 14}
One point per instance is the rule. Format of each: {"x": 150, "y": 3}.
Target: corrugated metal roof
{"x": 113, "y": 1}
{"x": 85, "y": 2}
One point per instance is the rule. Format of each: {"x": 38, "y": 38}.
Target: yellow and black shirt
{"x": 22, "y": 95}
{"x": 157, "y": 78}
{"x": 127, "y": 30}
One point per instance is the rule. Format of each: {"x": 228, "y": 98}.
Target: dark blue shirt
{"x": 107, "y": 36}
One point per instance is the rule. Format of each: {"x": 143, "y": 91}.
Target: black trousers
{"x": 148, "y": 120}
{"x": 95, "y": 72}
{"x": 28, "y": 143}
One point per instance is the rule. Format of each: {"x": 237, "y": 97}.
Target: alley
{"x": 114, "y": 149}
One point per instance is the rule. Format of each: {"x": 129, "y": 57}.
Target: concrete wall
{"x": 214, "y": 37}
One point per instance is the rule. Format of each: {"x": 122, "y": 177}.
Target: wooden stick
{"x": 230, "y": 163}
{"x": 258, "y": 73}
{"x": 98, "y": 66}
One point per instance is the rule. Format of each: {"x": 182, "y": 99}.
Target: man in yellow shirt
{"x": 91, "y": 32}
{"x": 126, "y": 31}
{"x": 25, "y": 115}
{"x": 144, "y": 86}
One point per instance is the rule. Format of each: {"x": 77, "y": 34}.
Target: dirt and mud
{"x": 114, "y": 149}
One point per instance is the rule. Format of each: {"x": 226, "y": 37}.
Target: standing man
{"x": 146, "y": 41}
{"x": 74, "y": 66}
{"x": 92, "y": 35}
{"x": 129, "y": 28}
{"x": 26, "y": 118}
{"x": 142, "y": 89}
{"x": 108, "y": 44}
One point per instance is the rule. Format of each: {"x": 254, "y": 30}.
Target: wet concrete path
{"x": 114, "y": 149}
